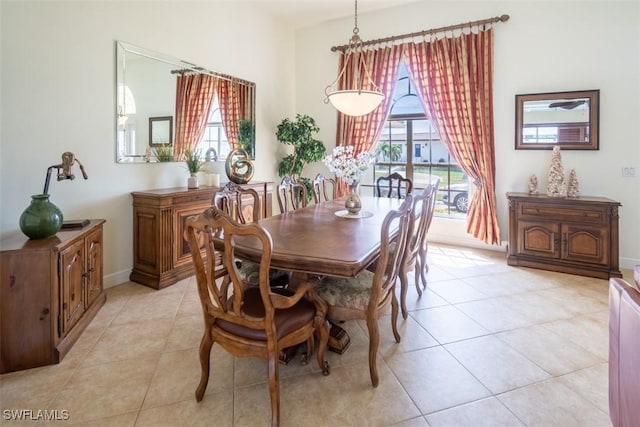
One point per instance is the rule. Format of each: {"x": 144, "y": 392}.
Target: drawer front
{"x": 203, "y": 197}
{"x": 578, "y": 213}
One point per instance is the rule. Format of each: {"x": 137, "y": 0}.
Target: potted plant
{"x": 247, "y": 136}
{"x": 194, "y": 165}
{"x": 306, "y": 149}
{"x": 163, "y": 153}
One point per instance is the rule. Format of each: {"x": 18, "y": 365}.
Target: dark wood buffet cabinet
{"x": 50, "y": 290}
{"x": 568, "y": 235}
{"x": 161, "y": 255}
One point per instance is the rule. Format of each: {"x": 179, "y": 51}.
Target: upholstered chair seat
{"x": 353, "y": 293}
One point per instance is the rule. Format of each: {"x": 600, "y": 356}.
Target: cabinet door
{"x": 182, "y": 253}
{"x": 585, "y": 244}
{"x": 94, "y": 265}
{"x": 539, "y": 239}
{"x": 72, "y": 291}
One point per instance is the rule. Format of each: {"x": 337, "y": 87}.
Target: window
{"x": 408, "y": 126}
{"x": 214, "y": 144}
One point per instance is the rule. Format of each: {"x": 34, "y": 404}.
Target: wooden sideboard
{"x": 161, "y": 255}
{"x": 568, "y": 235}
{"x": 50, "y": 290}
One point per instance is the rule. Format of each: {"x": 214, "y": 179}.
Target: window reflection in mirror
{"x": 146, "y": 91}
{"x": 565, "y": 119}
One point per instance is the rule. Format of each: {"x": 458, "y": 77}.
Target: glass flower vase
{"x": 353, "y": 204}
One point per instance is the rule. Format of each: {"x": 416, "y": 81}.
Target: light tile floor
{"x": 486, "y": 345}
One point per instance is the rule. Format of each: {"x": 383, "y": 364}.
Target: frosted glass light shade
{"x": 355, "y": 102}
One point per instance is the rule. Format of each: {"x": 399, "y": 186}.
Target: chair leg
{"x": 374, "y": 339}
{"x": 205, "y": 359}
{"x": 424, "y": 267}
{"x": 274, "y": 387}
{"x": 394, "y": 318}
{"x": 323, "y": 339}
{"x": 404, "y": 285}
{"x": 417, "y": 277}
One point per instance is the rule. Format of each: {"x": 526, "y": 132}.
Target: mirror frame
{"x": 593, "y": 100}
{"x": 122, "y": 49}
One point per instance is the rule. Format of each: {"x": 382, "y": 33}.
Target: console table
{"x": 161, "y": 255}
{"x": 50, "y": 289}
{"x": 568, "y": 235}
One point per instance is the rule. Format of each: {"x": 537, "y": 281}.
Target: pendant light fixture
{"x": 354, "y": 101}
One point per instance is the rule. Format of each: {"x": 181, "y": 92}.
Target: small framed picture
{"x": 160, "y": 131}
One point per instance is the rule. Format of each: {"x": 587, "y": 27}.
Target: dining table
{"x": 323, "y": 239}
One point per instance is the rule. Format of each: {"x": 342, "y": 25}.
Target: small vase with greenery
{"x": 194, "y": 165}
{"x": 306, "y": 149}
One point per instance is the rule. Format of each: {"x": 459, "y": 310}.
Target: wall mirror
{"x": 565, "y": 119}
{"x": 147, "y": 117}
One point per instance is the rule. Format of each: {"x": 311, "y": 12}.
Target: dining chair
{"x": 416, "y": 244}
{"x": 243, "y": 205}
{"x": 292, "y": 195}
{"x": 249, "y": 321}
{"x": 324, "y": 188}
{"x": 394, "y": 185}
{"x": 368, "y": 295}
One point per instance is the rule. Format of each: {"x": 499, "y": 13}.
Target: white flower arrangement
{"x": 345, "y": 166}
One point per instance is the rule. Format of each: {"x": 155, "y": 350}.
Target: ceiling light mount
{"x": 355, "y": 100}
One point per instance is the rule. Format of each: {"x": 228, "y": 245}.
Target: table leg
{"x": 339, "y": 339}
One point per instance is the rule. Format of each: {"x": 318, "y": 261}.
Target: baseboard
{"x": 115, "y": 279}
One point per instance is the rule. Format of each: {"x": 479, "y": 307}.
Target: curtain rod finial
{"x": 504, "y": 18}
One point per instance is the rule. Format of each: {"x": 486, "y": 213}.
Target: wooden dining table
{"x": 315, "y": 240}
{"x": 320, "y": 240}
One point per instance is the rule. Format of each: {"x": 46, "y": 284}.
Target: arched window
{"x": 411, "y": 146}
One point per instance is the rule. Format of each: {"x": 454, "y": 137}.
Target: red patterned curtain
{"x": 194, "y": 95}
{"x": 230, "y": 96}
{"x": 454, "y": 78}
{"x": 363, "y": 131}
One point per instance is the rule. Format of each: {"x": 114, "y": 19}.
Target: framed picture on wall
{"x": 160, "y": 131}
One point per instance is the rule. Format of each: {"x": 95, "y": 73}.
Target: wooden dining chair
{"x": 394, "y": 185}
{"x": 249, "y": 321}
{"x": 416, "y": 244}
{"x": 368, "y": 295}
{"x": 243, "y": 205}
{"x": 324, "y": 188}
{"x": 292, "y": 195}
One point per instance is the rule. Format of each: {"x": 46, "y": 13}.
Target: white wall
{"x": 58, "y": 94}
{"x": 544, "y": 47}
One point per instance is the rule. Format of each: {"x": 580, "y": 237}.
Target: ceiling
{"x": 304, "y": 13}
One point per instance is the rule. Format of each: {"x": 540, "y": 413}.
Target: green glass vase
{"x": 41, "y": 218}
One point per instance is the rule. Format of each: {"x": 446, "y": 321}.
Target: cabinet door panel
{"x": 182, "y": 253}
{"x": 539, "y": 239}
{"x": 72, "y": 298}
{"x": 94, "y": 265}
{"x": 585, "y": 244}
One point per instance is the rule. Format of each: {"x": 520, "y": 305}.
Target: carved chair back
{"x": 324, "y": 188}
{"x": 292, "y": 195}
{"x": 394, "y": 185}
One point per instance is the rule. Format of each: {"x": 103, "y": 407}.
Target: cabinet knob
{"x": 45, "y": 312}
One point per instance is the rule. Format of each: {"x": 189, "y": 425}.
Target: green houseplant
{"x": 163, "y": 153}
{"x": 299, "y": 133}
{"x": 247, "y": 136}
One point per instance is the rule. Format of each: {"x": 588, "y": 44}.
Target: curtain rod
{"x": 200, "y": 70}
{"x": 502, "y": 18}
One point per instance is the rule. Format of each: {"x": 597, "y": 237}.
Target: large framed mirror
{"x": 565, "y": 119}
{"x": 149, "y": 121}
